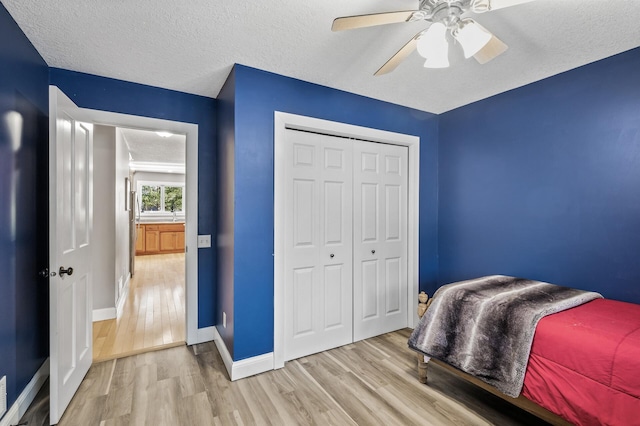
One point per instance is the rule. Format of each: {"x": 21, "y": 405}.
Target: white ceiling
{"x": 147, "y": 147}
{"x": 191, "y": 46}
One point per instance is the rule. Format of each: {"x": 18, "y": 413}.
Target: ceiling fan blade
{"x": 361, "y": 21}
{"x": 395, "y": 60}
{"x": 491, "y": 50}
{"x": 479, "y": 6}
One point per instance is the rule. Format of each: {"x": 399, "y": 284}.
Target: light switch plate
{"x": 204, "y": 241}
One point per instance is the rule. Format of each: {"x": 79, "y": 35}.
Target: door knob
{"x": 68, "y": 271}
{"x": 331, "y": 255}
{"x": 373, "y": 252}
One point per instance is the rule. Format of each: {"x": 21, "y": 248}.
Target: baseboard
{"x": 224, "y": 353}
{"x": 26, "y": 397}
{"x": 104, "y": 314}
{"x": 207, "y": 334}
{"x": 246, "y": 367}
{"x": 252, "y": 366}
{"x": 123, "y": 297}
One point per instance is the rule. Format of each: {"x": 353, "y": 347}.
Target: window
{"x": 161, "y": 198}
{"x": 172, "y": 198}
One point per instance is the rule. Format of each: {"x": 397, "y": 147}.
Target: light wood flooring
{"x": 153, "y": 316}
{"x": 371, "y": 382}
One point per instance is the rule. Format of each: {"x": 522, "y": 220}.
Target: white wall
{"x": 110, "y": 219}
{"x": 121, "y": 218}
{"x": 104, "y": 249}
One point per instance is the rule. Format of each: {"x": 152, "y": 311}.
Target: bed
{"x": 583, "y": 366}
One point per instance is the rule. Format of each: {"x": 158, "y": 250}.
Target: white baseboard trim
{"x": 252, "y": 366}
{"x": 104, "y": 314}
{"x": 224, "y": 353}
{"x": 246, "y": 367}
{"x": 207, "y": 334}
{"x": 17, "y": 410}
{"x": 123, "y": 297}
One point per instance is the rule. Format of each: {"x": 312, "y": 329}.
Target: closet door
{"x": 379, "y": 239}
{"x": 318, "y": 243}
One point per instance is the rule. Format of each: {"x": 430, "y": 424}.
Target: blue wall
{"x": 24, "y": 297}
{"x": 226, "y": 207}
{"x": 90, "y": 91}
{"x": 544, "y": 182}
{"x": 257, "y": 95}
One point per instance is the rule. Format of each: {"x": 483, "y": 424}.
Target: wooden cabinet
{"x": 161, "y": 238}
{"x": 180, "y": 240}
{"x": 151, "y": 239}
{"x": 140, "y": 239}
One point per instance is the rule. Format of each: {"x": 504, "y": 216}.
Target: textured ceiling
{"x": 191, "y": 46}
{"x": 147, "y": 147}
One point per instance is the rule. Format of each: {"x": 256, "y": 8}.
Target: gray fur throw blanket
{"x": 485, "y": 326}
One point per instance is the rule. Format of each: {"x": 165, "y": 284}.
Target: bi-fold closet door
{"x": 345, "y": 240}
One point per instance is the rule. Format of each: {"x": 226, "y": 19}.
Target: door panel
{"x": 380, "y": 238}
{"x": 303, "y": 212}
{"x": 369, "y": 216}
{"x": 333, "y": 291}
{"x": 392, "y": 214}
{"x": 70, "y": 227}
{"x": 333, "y": 212}
{"x": 318, "y": 243}
{"x": 303, "y": 301}
{"x": 393, "y": 280}
{"x": 80, "y": 224}
{"x": 369, "y": 279}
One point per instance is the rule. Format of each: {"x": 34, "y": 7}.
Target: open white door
{"x": 70, "y": 232}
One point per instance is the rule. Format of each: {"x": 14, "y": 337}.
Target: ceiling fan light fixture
{"x": 471, "y": 36}
{"x": 433, "y": 46}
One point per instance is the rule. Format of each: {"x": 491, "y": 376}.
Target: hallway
{"x": 153, "y": 316}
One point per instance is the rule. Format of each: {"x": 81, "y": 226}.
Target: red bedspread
{"x": 585, "y": 364}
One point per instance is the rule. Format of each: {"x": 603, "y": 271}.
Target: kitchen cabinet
{"x": 161, "y": 238}
{"x": 140, "y": 239}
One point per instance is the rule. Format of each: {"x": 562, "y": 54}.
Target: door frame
{"x": 284, "y": 121}
{"x": 191, "y": 181}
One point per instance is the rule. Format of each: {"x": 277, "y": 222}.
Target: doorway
{"x": 190, "y": 131}
{"x": 148, "y": 245}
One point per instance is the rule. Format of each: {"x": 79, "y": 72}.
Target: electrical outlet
{"x": 3, "y": 395}
{"x": 224, "y": 319}
{"x": 204, "y": 241}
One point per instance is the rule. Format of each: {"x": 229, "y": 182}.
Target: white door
{"x": 70, "y": 212}
{"x": 318, "y": 243}
{"x": 380, "y": 175}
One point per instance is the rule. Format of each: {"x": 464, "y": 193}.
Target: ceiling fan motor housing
{"x": 446, "y": 11}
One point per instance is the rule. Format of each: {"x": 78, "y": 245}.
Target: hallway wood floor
{"x": 153, "y": 316}
{"x": 371, "y": 382}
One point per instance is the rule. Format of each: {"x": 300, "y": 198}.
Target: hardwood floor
{"x": 153, "y": 316}
{"x": 371, "y": 382}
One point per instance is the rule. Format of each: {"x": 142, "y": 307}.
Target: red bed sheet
{"x": 585, "y": 364}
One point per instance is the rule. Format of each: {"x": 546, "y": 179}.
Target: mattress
{"x": 585, "y": 364}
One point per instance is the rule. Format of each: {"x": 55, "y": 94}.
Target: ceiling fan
{"x": 446, "y": 16}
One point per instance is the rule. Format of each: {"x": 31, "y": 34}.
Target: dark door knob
{"x": 331, "y": 255}
{"x": 68, "y": 271}
{"x": 373, "y": 252}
